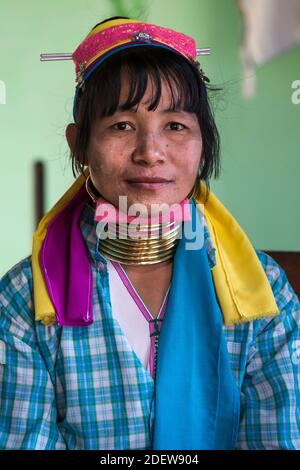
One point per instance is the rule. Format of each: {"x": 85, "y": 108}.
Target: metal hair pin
{"x": 68, "y": 56}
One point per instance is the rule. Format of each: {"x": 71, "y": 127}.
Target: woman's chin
{"x": 147, "y": 206}
{"x": 145, "y": 202}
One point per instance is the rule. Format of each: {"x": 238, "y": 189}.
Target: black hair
{"x": 189, "y": 93}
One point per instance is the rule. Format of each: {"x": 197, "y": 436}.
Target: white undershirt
{"x": 128, "y": 314}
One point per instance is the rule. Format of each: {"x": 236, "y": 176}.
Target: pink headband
{"x": 99, "y": 43}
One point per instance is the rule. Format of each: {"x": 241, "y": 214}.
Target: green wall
{"x": 260, "y": 138}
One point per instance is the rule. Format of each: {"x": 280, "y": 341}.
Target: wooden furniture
{"x": 290, "y": 262}
{"x": 39, "y": 192}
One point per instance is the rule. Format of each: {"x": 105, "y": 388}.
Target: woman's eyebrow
{"x": 179, "y": 112}
{"x": 175, "y": 111}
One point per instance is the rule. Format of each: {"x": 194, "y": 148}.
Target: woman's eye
{"x": 120, "y": 126}
{"x": 176, "y": 124}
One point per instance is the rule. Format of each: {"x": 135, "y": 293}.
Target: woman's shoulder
{"x": 16, "y": 297}
{"x": 18, "y": 280}
{"x": 277, "y": 277}
{"x": 286, "y": 299}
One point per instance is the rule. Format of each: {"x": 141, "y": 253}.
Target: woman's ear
{"x": 71, "y": 134}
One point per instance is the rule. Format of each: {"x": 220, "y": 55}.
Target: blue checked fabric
{"x": 62, "y": 387}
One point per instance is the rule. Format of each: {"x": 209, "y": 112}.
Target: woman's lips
{"x": 148, "y": 183}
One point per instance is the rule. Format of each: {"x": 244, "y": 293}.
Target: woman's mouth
{"x": 149, "y": 183}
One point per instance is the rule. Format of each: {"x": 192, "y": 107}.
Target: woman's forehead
{"x": 167, "y": 96}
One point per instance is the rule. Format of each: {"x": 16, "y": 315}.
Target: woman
{"x": 114, "y": 342}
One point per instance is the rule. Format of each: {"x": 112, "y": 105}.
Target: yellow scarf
{"x": 242, "y": 287}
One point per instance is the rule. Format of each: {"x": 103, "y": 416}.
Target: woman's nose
{"x": 149, "y": 149}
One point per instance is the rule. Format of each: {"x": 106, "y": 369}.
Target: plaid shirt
{"x": 57, "y": 384}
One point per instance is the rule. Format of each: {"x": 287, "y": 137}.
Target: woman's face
{"x": 130, "y": 150}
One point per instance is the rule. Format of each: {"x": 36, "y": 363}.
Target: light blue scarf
{"x": 197, "y": 399}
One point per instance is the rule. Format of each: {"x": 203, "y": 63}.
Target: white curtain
{"x": 270, "y": 28}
